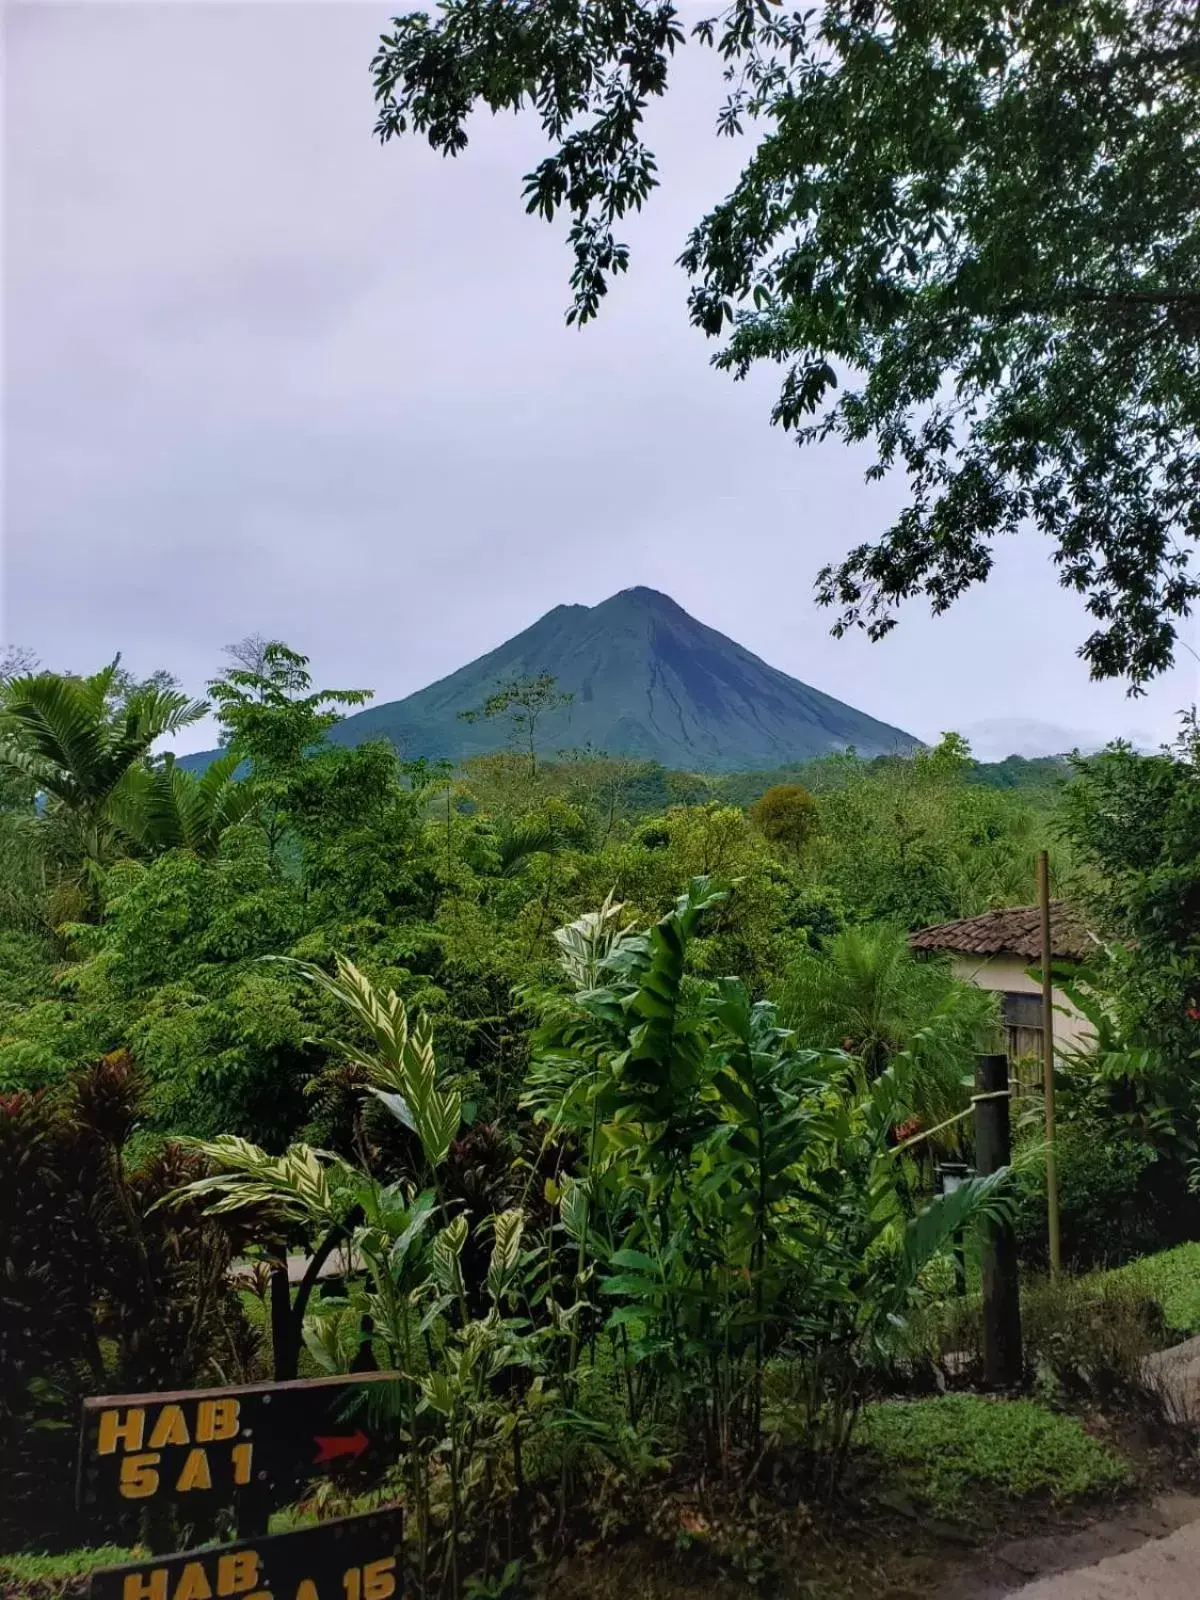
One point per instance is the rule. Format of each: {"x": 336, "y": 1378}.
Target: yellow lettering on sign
{"x": 147, "y": 1586}
{"x": 127, "y": 1432}
{"x": 195, "y": 1473}
{"x": 138, "y": 1478}
{"x": 237, "y": 1572}
{"x": 242, "y": 1454}
{"x": 170, "y": 1428}
{"x": 307, "y": 1590}
{"x": 193, "y": 1583}
{"x": 216, "y": 1420}
{"x": 379, "y": 1579}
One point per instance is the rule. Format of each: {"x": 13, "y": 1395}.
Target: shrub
{"x": 1091, "y": 1334}
{"x": 99, "y": 1290}
{"x": 1118, "y": 1198}
{"x": 1171, "y": 1279}
{"x": 950, "y": 1446}
{"x": 1087, "y": 1337}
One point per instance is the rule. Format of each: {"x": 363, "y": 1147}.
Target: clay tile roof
{"x": 1015, "y": 931}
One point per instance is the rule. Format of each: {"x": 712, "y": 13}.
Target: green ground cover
{"x": 947, "y": 1449}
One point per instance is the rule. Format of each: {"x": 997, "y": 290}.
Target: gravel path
{"x": 1162, "y": 1569}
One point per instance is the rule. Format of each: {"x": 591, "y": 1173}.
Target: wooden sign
{"x": 217, "y": 1446}
{"x": 352, "y": 1558}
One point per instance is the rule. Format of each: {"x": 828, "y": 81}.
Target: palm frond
{"x": 48, "y": 717}
{"x": 167, "y": 807}
{"x": 83, "y": 749}
{"x": 933, "y": 1228}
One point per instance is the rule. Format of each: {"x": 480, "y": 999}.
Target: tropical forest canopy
{"x": 142, "y": 904}
{"x": 141, "y": 900}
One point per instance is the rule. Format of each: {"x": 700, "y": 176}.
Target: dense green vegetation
{"x": 600, "y": 1073}
{"x": 1038, "y": 778}
{"x": 448, "y": 883}
{"x": 612, "y": 1078}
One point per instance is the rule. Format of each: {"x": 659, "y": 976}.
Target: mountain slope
{"x": 649, "y": 681}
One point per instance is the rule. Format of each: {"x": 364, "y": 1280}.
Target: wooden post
{"x": 1003, "y": 1364}
{"x": 252, "y": 1513}
{"x": 285, "y": 1353}
{"x": 1048, "y": 1064}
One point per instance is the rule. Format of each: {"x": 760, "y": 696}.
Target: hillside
{"x": 648, "y": 681}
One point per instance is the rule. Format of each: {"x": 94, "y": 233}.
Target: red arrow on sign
{"x": 329, "y": 1449}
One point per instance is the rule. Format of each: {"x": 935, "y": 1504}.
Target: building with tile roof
{"x": 997, "y": 951}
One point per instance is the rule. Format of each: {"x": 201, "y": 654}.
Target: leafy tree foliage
{"x": 267, "y": 708}
{"x": 916, "y": 842}
{"x": 787, "y": 816}
{"x": 271, "y": 717}
{"x": 1037, "y": 779}
{"x": 525, "y": 701}
{"x": 1134, "y": 823}
{"x": 602, "y": 784}
{"x": 967, "y": 232}
{"x": 446, "y": 886}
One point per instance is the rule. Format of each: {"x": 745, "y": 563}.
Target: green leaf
{"x": 630, "y": 1284}
{"x": 506, "y": 1249}
{"x": 634, "y": 1258}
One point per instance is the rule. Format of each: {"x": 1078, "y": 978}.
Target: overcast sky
{"x": 263, "y": 375}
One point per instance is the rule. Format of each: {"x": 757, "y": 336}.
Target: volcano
{"x": 647, "y": 680}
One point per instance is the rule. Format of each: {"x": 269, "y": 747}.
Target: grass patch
{"x": 1172, "y": 1278}
{"x": 258, "y": 1314}
{"x": 948, "y": 1449}
{"x": 27, "y": 1572}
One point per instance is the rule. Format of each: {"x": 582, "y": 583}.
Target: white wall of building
{"x": 1010, "y": 975}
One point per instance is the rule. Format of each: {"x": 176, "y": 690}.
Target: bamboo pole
{"x": 1048, "y": 1064}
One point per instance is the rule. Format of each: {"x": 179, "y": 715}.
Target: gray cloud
{"x": 262, "y": 374}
